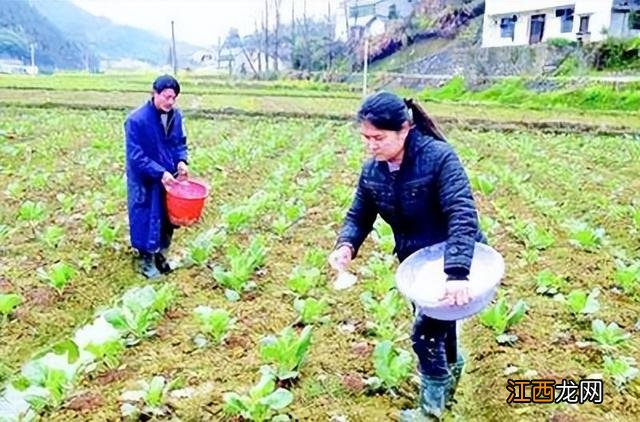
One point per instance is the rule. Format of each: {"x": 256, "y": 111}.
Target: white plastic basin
{"x": 422, "y": 280}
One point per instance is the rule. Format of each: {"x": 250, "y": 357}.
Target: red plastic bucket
{"x": 185, "y": 202}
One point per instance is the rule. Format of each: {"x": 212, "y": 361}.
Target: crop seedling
{"x": 608, "y": 336}
{"x": 8, "y": 303}
{"x": 384, "y": 313}
{"x": 579, "y": 302}
{"x": 393, "y": 366}
{"x": 31, "y": 212}
{"x": 215, "y": 323}
{"x": 56, "y": 384}
{"x": 378, "y": 271}
{"x": 628, "y": 278}
{"x": 261, "y": 403}
{"x": 280, "y": 225}
{"x": 58, "y": 276}
{"x": 116, "y": 185}
{"x": 547, "y": 283}
{"x": 309, "y": 310}
{"x": 108, "y": 353}
{"x": 200, "y": 249}
{"x": 484, "y": 184}
{"x": 488, "y": 225}
{"x": 529, "y": 256}
{"x": 39, "y": 180}
{"x": 67, "y": 202}
{"x": 315, "y": 257}
{"x": 238, "y": 217}
{"x": 139, "y": 311}
{"x": 303, "y": 280}
{"x": 14, "y": 190}
{"x": 621, "y": 370}
{"x": 242, "y": 264}
{"x": 150, "y": 399}
{"x": 342, "y": 195}
{"x": 52, "y": 236}
{"x": 107, "y": 234}
{"x": 42, "y": 372}
{"x": 533, "y": 236}
{"x": 584, "y": 237}
{"x": 500, "y": 318}
{"x": 383, "y": 236}
{"x": 287, "y": 351}
{"x": 90, "y": 219}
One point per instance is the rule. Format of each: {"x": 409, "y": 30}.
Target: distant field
{"x": 304, "y": 98}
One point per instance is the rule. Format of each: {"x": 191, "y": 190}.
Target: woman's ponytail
{"x": 423, "y": 122}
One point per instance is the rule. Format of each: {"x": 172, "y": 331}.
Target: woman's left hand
{"x": 457, "y": 292}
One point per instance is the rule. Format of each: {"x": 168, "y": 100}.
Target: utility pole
{"x": 173, "y": 51}
{"x": 346, "y": 17}
{"x": 366, "y": 62}
{"x": 31, "y": 70}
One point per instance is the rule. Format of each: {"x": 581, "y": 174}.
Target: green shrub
{"x": 561, "y": 42}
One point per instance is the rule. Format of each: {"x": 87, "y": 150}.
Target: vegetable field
{"x": 249, "y": 325}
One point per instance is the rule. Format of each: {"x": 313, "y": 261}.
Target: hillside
{"x": 435, "y": 25}
{"x": 21, "y": 25}
{"x": 107, "y": 39}
{"x": 67, "y": 37}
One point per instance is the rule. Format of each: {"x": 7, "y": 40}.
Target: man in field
{"x": 156, "y": 153}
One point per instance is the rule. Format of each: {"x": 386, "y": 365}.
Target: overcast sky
{"x": 199, "y": 22}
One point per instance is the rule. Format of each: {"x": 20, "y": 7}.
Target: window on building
{"x": 393, "y": 12}
{"x": 634, "y": 20}
{"x": 566, "y": 19}
{"x": 508, "y": 26}
{"x": 361, "y": 10}
{"x": 584, "y": 24}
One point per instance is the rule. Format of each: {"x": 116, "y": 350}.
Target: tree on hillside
{"x": 13, "y": 45}
{"x": 305, "y": 43}
{"x": 22, "y": 25}
{"x": 276, "y": 41}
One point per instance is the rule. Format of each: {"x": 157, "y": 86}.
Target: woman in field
{"x": 156, "y": 150}
{"x": 417, "y": 184}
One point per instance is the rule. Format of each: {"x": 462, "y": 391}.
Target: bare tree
{"x": 276, "y": 6}
{"x": 330, "y": 35}
{"x": 259, "y": 44}
{"x": 266, "y": 35}
{"x": 248, "y": 58}
{"x": 293, "y": 31}
{"x": 305, "y": 37}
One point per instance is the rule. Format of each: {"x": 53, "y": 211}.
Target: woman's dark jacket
{"x": 427, "y": 201}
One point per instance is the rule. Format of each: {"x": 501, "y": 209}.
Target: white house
{"x": 16, "y": 66}
{"x": 522, "y": 22}
{"x": 353, "y": 16}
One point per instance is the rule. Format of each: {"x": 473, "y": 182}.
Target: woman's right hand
{"x": 340, "y": 258}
